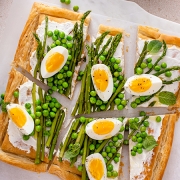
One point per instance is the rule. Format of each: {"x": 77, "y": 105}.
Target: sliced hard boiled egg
{"x": 53, "y": 61}
{"x": 21, "y": 118}
{"x": 96, "y": 167}
{"x": 103, "y": 128}
{"x": 142, "y": 85}
{"x": 102, "y": 80}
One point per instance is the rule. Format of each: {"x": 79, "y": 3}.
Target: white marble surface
{"x": 116, "y": 9}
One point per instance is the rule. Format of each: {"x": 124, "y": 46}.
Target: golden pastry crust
{"x": 63, "y": 174}
{"x": 26, "y": 46}
{"x": 161, "y": 153}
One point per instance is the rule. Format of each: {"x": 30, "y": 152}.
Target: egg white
{"x": 90, "y": 132}
{"x": 95, "y": 156}
{"x": 109, "y": 90}
{"x": 60, "y": 49}
{"x": 155, "y": 86}
{"x": 29, "y": 125}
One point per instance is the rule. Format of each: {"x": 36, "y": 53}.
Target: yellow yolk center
{"x": 103, "y": 127}
{"x": 96, "y": 168}
{"x": 54, "y": 62}
{"x": 140, "y": 84}
{"x": 101, "y": 79}
{"x": 17, "y": 116}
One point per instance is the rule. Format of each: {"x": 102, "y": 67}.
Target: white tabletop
{"x": 162, "y": 8}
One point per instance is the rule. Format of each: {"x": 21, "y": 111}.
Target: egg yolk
{"x": 101, "y": 79}
{"x": 54, "y": 62}
{"x": 140, "y": 84}
{"x": 103, "y": 127}
{"x": 96, "y": 168}
{"x": 17, "y": 116}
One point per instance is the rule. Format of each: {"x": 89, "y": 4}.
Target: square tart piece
{"x": 26, "y": 46}
{"x": 163, "y": 63}
{"x": 107, "y": 50}
{"x": 151, "y": 163}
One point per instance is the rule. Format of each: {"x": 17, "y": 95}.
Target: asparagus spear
{"x": 173, "y": 68}
{"x": 48, "y": 142}
{"x": 84, "y": 173}
{"x": 54, "y": 141}
{"x": 118, "y": 90}
{"x": 85, "y": 150}
{"x": 101, "y": 146}
{"x": 160, "y": 58}
{"x": 142, "y": 56}
{"x": 171, "y": 81}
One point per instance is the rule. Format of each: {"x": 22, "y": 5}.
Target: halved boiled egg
{"x": 53, "y": 61}
{"x": 96, "y": 167}
{"x": 142, "y": 85}
{"x": 102, "y": 80}
{"x": 21, "y": 118}
{"x": 100, "y": 129}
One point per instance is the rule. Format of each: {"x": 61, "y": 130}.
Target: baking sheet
{"x": 133, "y": 12}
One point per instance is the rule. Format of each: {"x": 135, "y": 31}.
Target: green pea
{"x": 52, "y": 114}
{"x": 37, "y": 121}
{"x": 116, "y": 159}
{"x": 118, "y": 61}
{"x": 115, "y": 139}
{"x": 149, "y": 65}
{"x": 142, "y": 128}
{"x": 26, "y": 137}
{"x": 139, "y": 145}
{"x": 82, "y": 119}
{"x": 121, "y": 95}
{"x": 81, "y": 152}
{"x": 74, "y": 135}
{"x": 48, "y": 123}
{"x": 50, "y": 84}
{"x": 27, "y": 105}
{"x": 92, "y": 147}
{"x": 53, "y": 45}
{"x": 126, "y": 142}
{"x": 105, "y": 53}
{"x": 38, "y": 102}
{"x": 114, "y": 89}
{"x": 102, "y": 58}
{"x": 56, "y": 32}
{"x": 134, "y": 148}
{"x": 100, "y": 141}
{"x": 134, "y": 139}
{"x": 54, "y": 37}
{"x": 116, "y": 85}
{"x": 163, "y": 65}
{"x": 93, "y": 93}
{"x": 109, "y": 174}
{"x": 139, "y": 150}
{"x": 158, "y": 119}
{"x": 69, "y": 73}
{"x": 117, "y": 144}
{"x": 136, "y": 119}
{"x": 80, "y": 168}
{"x": 116, "y": 66}
{"x": 142, "y": 98}
{"x": 67, "y": 1}
{"x": 69, "y": 57}
{"x": 33, "y": 116}
{"x": 45, "y": 113}
{"x": 138, "y": 135}
{"x": 50, "y": 33}
{"x": 107, "y": 149}
{"x": 117, "y": 101}
{"x": 92, "y": 100}
{"x": 126, "y": 127}
{"x": 137, "y": 101}
{"x": 122, "y": 128}
{"x": 139, "y": 71}
{"x": 139, "y": 139}
{"x": 16, "y": 94}
{"x": 69, "y": 38}
{"x": 110, "y": 167}
{"x": 111, "y": 144}
{"x": 54, "y": 109}
{"x": 61, "y": 34}
{"x": 45, "y": 106}
{"x": 143, "y": 65}
{"x": 69, "y": 45}
{"x": 120, "y": 107}
{"x": 98, "y": 102}
{"x": 116, "y": 74}
{"x": 119, "y": 70}
{"x": 58, "y": 42}
{"x": 110, "y": 155}
{"x": 64, "y": 41}
{"x": 103, "y": 107}
{"x": 168, "y": 74}
{"x": 157, "y": 68}
{"x": 57, "y": 105}
{"x": 48, "y": 98}
{"x": 113, "y": 60}
{"x": 38, "y": 114}
{"x": 149, "y": 60}
{"x": 133, "y": 153}
{"x": 114, "y": 173}
{"x": 38, "y": 128}
{"x": 38, "y": 108}
{"x": 143, "y": 134}
{"x": 142, "y": 113}
{"x": 65, "y": 84}
{"x": 120, "y": 119}
{"x": 124, "y": 102}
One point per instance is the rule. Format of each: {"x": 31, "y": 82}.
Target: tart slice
{"x": 156, "y": 82}
{"x": 150, "y": 145}
{"x": 103, "y": 79}
{"x": 88, "y": 146}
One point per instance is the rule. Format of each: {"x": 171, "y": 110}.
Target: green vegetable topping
{"x": 16, "y": 94}
{"x": 166, "y": 97}
{"x": 149, "y": 143}
{"x": 154, "y": 46}
{"x": 158, "y": 119}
